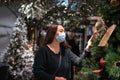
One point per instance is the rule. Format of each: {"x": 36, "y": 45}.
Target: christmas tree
{"x": 19, "y": 54}
{"x": 104, "y": 62}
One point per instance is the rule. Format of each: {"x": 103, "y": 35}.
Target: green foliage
{"x": 111, "y": 57}
{"x": 110, "y": 14}
{"x": 89, "y": 65}
{"x": 118, "y": 33}
{"x": 115, "y": 73}
{"x": 91, "y": 76}
{"x": 112, "y": 68}
{"x": 88, "y": 76}
{"x": 86, "y": 71}
{"x": 97, "y": 51}
{"x": 118, "y": 49}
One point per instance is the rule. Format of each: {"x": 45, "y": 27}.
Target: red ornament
{"x": 102, "y": 64}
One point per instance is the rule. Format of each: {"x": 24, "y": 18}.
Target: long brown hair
{"x": 51, "y": 34}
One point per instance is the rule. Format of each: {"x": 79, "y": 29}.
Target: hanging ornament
{"x": 102, "y": 65}
{"x": 117, "y": 63}
{"x": 115, "y": 3}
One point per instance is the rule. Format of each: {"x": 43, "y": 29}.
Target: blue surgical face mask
{"x": 61, "y": 37}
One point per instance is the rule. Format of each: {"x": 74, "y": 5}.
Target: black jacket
{"x": 46, "y": 63}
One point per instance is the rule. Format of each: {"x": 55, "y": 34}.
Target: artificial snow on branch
{"x": 33, "y": 10}
{"x": 19, "y": 54}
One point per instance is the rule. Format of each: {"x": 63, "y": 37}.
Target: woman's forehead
{"x": 60, "y": 27}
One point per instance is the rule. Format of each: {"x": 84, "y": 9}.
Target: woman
{"x": 53, "y": 59}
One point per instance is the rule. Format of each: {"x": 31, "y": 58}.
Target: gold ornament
{"x": 115, "y": 3}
